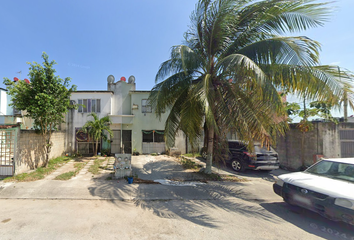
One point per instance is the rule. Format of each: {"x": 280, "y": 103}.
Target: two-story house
{"x": 135, "y": 126}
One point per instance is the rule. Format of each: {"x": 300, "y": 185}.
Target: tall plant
{"x": 45, "y": 99}
{"x": 95, "y": 128}
{"x": 232, "y": 64}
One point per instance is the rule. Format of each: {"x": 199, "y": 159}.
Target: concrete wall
{"x": 322, "y": 140}
{"x": 121, "y": 101}
{"x": 30, "y": 152}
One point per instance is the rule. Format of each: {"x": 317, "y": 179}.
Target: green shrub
{"x": 189, "y": 164}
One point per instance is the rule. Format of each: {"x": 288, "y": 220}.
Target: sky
{"x": 91, "y": 40}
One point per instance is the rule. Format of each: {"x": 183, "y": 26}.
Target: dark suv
{"x": 241, "y": 159}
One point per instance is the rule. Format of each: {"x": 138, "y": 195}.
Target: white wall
{"x": 79, "y": 119}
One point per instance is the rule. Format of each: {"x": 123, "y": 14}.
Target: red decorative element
{"x": 27, "y": 81}
{"x": 123, "y": 79}
{"x": 15, "y": 79}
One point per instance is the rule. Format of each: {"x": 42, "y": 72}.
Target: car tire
{"x": 238, "y": 165}
{"x": 204, "y": 153}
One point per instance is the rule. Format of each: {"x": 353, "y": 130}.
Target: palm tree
{"x": 96, "y": 128}
{"x": 233, "y": 64}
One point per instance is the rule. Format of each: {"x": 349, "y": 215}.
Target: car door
{"x": 236, "y": 150}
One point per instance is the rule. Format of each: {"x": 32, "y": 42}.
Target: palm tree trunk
{"x": 209, "y": 160}
{"x": 96, "y": 147}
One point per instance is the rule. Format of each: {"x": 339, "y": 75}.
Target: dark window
{"x": 237, "y": 145}
{"x": 153, "y": 136}
{"x": 85, "y": 104}
{"x": 148, "y": 136}
{"x": 98, "y": 106}
{"x": 80, "y": 106}
{"x": 158, "y": 136}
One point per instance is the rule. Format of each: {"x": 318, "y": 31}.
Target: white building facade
{"x": 135, "y": 126}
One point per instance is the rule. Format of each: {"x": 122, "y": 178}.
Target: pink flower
{"x": 15, "y": 79}
{"x": 27, "y": 81}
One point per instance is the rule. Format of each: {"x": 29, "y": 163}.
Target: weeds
{"x": 194, "y": 155}
{"x": 189, "y": 164}
{"x": 221, "y": 177}
{"x": 95, "y": 168}
{"x": 40, "y": 172}
{"x": 69, "y": 175}
{"x": 65, "y": 176}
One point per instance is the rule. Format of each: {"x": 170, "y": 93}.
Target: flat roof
{"x": 137, "y": 91}
{"x": 93, "y": 91}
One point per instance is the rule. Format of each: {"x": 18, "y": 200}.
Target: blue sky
{"x": 93, "y": 39}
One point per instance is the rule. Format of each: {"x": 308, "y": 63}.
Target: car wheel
{"x": 238, "y": 165}
{"x": 204, "y": 155}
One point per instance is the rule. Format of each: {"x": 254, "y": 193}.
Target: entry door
{"x": 127, "y": 141}
{"x": 115, "y": 144}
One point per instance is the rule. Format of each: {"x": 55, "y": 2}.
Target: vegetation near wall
{"x": 323, "y": 140}
{"x": 31, "y": 153}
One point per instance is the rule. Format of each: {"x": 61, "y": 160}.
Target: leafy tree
{"x": 232, "y": 64}
{"x": 96, "y": 127}
{"x": 315, "y": 109}
{"x": 45, "y": 99}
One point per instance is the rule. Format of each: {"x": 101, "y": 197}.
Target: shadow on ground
{"x": 309, "y": 221}
{"x": 173, "y": 202}
{"x": 256, "y": 174}
{"x": 163, "y": 169}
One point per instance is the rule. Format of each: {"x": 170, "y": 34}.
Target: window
{"x": 89, "y": 105}
{"x": 145, "y": 106}
{"x": 153, "y": 136}
{"x": 80, "y": 105}
{"x": 159, "y": 136}
{"x": 148, "y": 136}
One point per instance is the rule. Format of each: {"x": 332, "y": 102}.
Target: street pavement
{"x": 92, "y": 207}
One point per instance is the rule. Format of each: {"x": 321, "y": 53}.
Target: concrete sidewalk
{"x": 84, "y": 187}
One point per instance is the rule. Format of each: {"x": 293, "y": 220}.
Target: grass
{"x": 65, "y": 176}
{"x": 192, "y": 155}
{"x": 69, "y": 175}
{"x": 95, "y": 168}
{"x": 221, "y": 177}
{"x": 189, "y": 164}
{"x": 40, "y": 172}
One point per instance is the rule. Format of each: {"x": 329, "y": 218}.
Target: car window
{"x": 336, "y": 170}
{"x": 236, "y": 145}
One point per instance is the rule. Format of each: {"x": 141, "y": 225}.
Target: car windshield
{"x": 335, "y": 170}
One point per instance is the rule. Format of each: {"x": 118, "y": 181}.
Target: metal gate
{"x": 7, "y": 148}
{"x": 115, "y": 144}
{"x": 126, "y": 136}
{"x": 346, "y": 137}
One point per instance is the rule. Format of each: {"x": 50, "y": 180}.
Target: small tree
{"x": 46, "y": 99}
{"x": 317, "y": 108}
{"x": 96, "y": 128}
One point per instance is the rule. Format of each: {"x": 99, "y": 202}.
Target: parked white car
{"x": 327, "y": 187}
